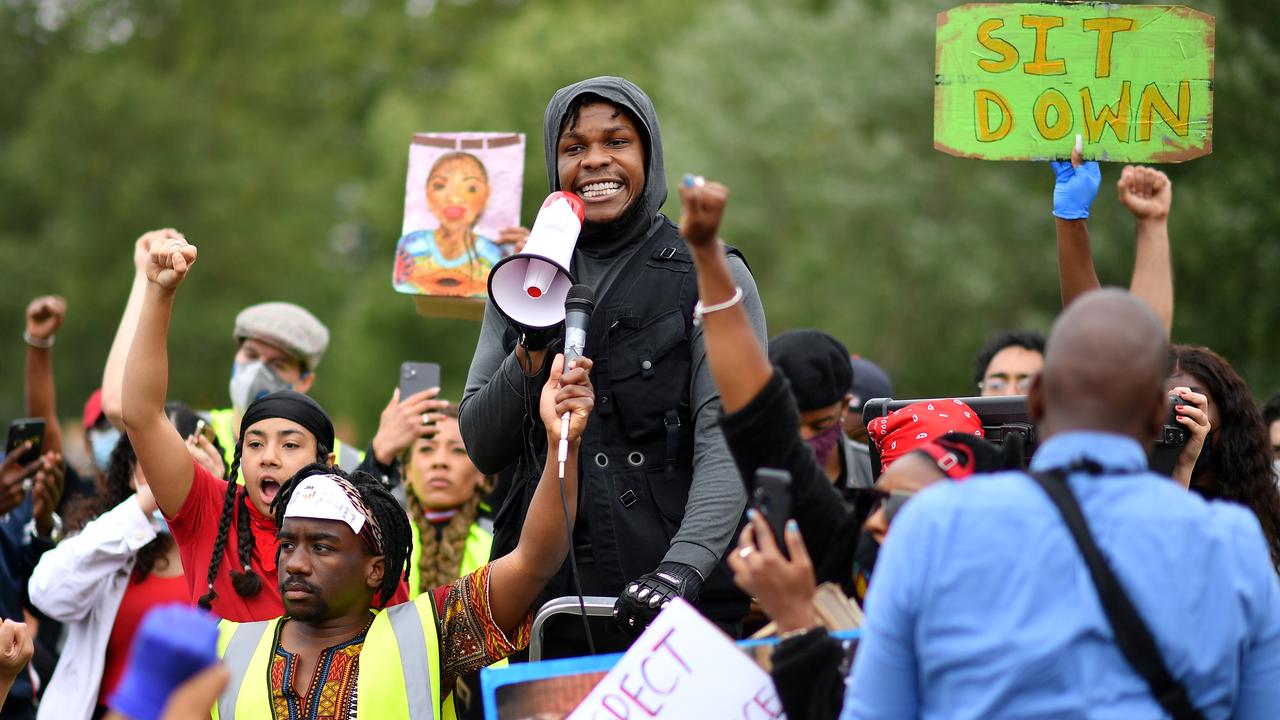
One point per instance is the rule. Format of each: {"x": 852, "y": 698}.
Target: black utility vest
{"x": 636, "y": 461}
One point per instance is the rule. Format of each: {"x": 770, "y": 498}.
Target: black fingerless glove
{"x": 642, "y": 599}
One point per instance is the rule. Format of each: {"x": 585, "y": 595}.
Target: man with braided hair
{"x": 279, "y": 434}
{"x": 344, "y": 545}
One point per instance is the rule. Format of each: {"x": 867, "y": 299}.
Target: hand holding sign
{"x": 682, "y": 667}
{"x": 1076, "y": 186}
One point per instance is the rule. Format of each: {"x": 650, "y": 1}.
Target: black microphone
{"x": 577, "y": 314}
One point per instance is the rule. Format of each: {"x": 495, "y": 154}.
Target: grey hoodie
{"x": 492, "y": 411}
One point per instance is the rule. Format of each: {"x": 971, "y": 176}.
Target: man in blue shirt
{"x": 982, "y": 605}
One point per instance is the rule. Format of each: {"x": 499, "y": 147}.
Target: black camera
{"x": 1007, "y": 415}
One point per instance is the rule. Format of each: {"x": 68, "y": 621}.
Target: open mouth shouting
{"x": 268, "y": 488}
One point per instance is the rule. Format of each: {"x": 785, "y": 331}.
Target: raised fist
{"x": 169, "y": 259}
{"x": 702, "y": 205}
{"x": 44, "y": 316}
{"x": 142, "y": 246}
{"x": 1147, "y": 192}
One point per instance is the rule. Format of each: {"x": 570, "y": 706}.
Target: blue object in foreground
{"x": 174, "y": 642}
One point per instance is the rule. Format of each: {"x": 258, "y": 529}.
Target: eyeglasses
{"x": 1000, "y": 384}
{"x": 866, "y": 501}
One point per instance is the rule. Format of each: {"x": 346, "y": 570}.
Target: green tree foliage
{"x": 275, "y": 136}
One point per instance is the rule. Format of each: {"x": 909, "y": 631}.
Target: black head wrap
{"x": 291, "y": 405}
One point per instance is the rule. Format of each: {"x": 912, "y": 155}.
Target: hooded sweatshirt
{"x": 492, "y": 413}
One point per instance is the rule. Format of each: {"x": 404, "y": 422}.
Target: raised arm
{"x": 518, "y": 577}
{"x": 1148, "y": 194}
{"x": 113, "y": 373}
{"x": 44, "y": 317}
{"x": 162, "y": 454}
{"x": 739, "y": 365}
{"x": 1074, "y": 189}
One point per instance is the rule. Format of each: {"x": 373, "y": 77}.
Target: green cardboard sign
{"x": 1019, "y": 81}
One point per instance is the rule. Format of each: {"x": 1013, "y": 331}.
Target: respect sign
{"x": 1019, "y": 81}
{"x": 682, "y": 667}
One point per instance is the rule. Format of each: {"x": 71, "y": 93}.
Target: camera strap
{"x": 1133, "y": 636}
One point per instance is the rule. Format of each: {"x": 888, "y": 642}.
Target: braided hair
{"x": 397, "y": 537}
{"x": 441, "y": 559}
{"x": 246, "y": 582}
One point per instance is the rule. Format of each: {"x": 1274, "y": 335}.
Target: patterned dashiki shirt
{"x": 469, "y": 640}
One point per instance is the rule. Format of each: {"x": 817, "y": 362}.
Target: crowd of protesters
{"x": 1062, "y": 570}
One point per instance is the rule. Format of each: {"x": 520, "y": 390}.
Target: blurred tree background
{"x": 275, "y": 136}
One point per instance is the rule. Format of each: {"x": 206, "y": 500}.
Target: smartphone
{"x": 418, "y": 376}
{"x": 22, "y": 430}
{"x": 203, "y": 429}
{"x": 771, "y": 497}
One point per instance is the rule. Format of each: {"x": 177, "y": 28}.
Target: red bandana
{"x": 907, "y": 429}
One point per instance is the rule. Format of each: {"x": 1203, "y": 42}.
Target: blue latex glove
{"x": 173, "y": 643}
{"x": 1075, "y": 189}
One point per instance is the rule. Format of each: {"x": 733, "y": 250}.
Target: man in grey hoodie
{"x": 661, "y": 497}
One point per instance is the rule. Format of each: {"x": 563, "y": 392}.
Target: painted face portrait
{"x": 457, "y": 190}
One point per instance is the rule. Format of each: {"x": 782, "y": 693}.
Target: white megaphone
{"x": 530, "y": 288}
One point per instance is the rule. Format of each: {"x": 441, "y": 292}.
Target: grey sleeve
{"x": 491, "y": 415}
{"x": 717, "y": 496}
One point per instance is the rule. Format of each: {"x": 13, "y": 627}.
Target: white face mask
{"x": 252, "y": 380}
{"x": 103, "y": 443}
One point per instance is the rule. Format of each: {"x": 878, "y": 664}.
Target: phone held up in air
{"x": 418, "y": 376}
{"x": 203, "y": 429}
{"x": 22, "y": 430}
{"x": 771, "y": 497}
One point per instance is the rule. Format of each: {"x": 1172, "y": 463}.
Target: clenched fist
{"x": 702, "y": 205}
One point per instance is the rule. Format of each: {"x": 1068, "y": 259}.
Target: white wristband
{"x": 699, "y": 309}
{"x": 35, "y": 342}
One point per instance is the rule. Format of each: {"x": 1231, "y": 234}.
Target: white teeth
{"x": 600, "y": 189}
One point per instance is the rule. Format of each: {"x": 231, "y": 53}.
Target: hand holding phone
{"x": 21, "y": 431}
{"x": 410, "y": 414}
{"x": 418, "y": 376}
{"x": 771, "y": 497}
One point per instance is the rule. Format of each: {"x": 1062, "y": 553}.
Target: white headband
{"x": 321, "y": 497}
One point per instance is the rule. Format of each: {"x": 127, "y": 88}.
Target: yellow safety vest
{"x": 223, "y": 423}
{"x": 475, "y": 555}
{"x": 399, "y": 667}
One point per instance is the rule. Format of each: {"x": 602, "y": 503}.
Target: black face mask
{"x": 864, "y": 562}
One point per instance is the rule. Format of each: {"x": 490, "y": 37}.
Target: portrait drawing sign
{"x": 461, "y": 190}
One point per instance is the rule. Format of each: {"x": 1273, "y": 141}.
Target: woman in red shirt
{"x": 280, "y": 433}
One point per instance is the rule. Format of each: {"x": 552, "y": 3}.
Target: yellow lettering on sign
{"x": 1040, "y": 64}
{"x": 1007, "y": 52}
{"x": 1153, "y": 100}
{"x": 1117, "y": 119}
{"x": 982, "y": 101}
{"x": 1106, "y": 27}
{"x": 1061, "y": 124}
